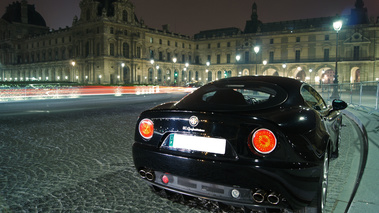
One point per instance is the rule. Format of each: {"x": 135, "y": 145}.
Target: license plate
{"x": 197, "y": 143}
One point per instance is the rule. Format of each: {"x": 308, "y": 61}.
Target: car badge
{"x": 194, "y": 121}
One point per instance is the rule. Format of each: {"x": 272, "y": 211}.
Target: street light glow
{"x": 256, "y": 49}
{"x": 337, "y": 25}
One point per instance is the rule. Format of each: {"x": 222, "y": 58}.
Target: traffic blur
{"x": 35, "y": 91}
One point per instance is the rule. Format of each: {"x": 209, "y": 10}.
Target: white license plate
{"x": 197, "y": 143}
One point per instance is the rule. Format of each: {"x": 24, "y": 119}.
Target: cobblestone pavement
{"x": 81, "y": 161}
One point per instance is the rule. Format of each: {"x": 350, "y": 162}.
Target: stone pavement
{"x": 80, "y": 160}
{"x": 367, "y": 198}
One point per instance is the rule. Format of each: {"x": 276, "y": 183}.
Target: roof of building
{"x": 14, "y": 14}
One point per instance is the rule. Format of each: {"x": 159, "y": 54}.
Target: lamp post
{"x": 174, "y": 60}
{"x": 337, "y": 25}
{"x": 73, "y": 69}
{"x": 238, "y": 58}
{"x": 256, "y": 50}
{"x": 207, "y": 70}
{"x": 121, "y": 73}
{"x": 152, "y": 64}
{"x": 284, "y": 69}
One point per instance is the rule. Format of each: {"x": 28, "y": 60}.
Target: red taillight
{"x": 146, "y": 128}
{"x": 264, "y": 141}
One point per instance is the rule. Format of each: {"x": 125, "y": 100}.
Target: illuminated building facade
{"x": 107, "y": 44}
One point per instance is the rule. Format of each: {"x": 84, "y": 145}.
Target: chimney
{"x": 166, "y": 28}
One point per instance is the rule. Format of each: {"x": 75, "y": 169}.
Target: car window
{"x": 234, "y": 97}
{"x": 312, "y": 98}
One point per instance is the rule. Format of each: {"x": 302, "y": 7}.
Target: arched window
{"x": 125, "y": 15}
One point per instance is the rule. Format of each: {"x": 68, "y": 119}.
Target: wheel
{"x": 319, "y": 205}
{"x": 322, "y": 194}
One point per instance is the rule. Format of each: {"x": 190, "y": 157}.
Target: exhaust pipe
{"x": 273, "y": 198}
{"x": 150, "y": 176}
{"x": 147, "y": 174}
{"x": 142, "y": 173}
{"x": 259, "y": 196}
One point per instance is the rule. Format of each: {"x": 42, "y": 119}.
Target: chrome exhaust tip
{"x": 142, "y": 173}
{"x": 150, "y": 176}
{"x": 259, "y": 196}
{"x": 273, "y": 198}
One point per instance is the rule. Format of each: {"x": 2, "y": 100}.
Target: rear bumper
{"x": 292, "y": 187}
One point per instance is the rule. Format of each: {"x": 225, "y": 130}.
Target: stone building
{"x": 107, "y": 44}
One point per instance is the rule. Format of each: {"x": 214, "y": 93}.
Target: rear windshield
{"x": 234, "y": 97}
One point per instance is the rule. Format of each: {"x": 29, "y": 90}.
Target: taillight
{"x": 264, "y": 141}
{"x": 146, "y": 128}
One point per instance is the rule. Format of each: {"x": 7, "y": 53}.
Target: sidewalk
{"x": 367, "y": 198}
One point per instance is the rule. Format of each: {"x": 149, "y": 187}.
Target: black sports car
{"x": 255, "y": 142}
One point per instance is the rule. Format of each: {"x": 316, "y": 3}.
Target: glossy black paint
{"x": 292, "y": 170}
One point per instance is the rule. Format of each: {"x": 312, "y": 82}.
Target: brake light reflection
{"x": 146, "y": 128}
{"x": 264, "y": 141}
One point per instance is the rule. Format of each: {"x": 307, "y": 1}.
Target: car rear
{"x": 224, "y": 151}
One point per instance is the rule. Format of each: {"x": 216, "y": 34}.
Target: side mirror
{"x": 339, "y": 104}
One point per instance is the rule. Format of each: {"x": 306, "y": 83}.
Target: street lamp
{"x": 73, "y": 68}
{"x": 238, "y": 58}
{"x": 256, "y": 50}
{"x": 174, "y": 60}
{"x": 337, "y": 25}
{"x": 284, "y": 69}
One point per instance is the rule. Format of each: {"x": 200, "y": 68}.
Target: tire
{"x": 319, "y": 205}
{"x": 323, "y": 190}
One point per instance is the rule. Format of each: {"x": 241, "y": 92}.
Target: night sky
{"x": 191, "y": 17}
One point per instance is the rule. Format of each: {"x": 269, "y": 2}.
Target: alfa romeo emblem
{"x": 194, "y": 121}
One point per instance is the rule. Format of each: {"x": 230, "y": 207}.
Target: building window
{"x": 356, "y": 53}
{"x": 88, "y": 14}
{"x": 326, "y": 54}
{"x": 111, "y": 49}
{"x": 209, "y": 46}
{"x": 247, "y": 57}
{"x": 228, "y": 58}
{"x": 125, "y": 50}
{"x": 271, "y": 40}
{"x": 182, "y": 45}
{"x": 218, "y": 45}
{"x": 125, "y": 16}
{"x": 160, "y": 41}
{"x": 176, "y": 44}
{"x": 197, "y": 46}
{"x": 112, "y": 30}
{"x": 209, "y": 58}
{"x": 326, "y": 37}
{"x": 98, "y": 49}
{"x": 190, "y": 59}
{"x": 297, "y": 56}
{"x": 228, "y": 44}
{"x": 197, "y": 59}
{"x": 183, "y": 58}
{"x": 218, "y": 59}
{"x": 168, "y": 57}
{"x": 151, "y": 54}
{"x": 138, "y": 52}
{"x": 160, "y": 56}
{"x": 151, "y": 40}
{"x": 271, "y": 58}
{"x": 297, "y": 39}
{"x": 168, "y": 43}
